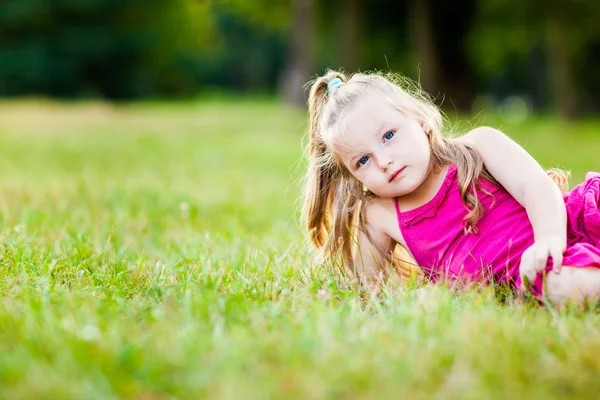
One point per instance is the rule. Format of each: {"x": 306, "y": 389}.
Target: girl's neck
{"x": 426, "y": 191}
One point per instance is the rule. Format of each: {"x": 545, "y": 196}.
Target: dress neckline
{"x": 429, "y": 208}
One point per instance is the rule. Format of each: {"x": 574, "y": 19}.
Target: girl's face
{"x": 385, "y": 150}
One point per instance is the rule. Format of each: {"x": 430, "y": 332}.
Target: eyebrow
{"x": 353, "y": 157}
{"x": 380, "y": 129}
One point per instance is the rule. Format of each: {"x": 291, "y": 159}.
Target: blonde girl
{"x": 479, "y": 208}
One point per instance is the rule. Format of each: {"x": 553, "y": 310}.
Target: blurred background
{"x": 538, "y": 55}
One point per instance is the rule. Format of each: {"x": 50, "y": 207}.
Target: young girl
{"x": 473, "y": 209}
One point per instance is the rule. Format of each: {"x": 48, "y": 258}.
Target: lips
{"x": 395, "y": 174}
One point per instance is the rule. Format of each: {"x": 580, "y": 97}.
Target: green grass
{"x": 152, "y": 251}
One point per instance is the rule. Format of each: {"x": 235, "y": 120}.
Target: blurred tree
{"x": 295, "y": 20}
{"x": 109, "y": 48}
{"x": 269, "y": 15}
{"x": 123, "y": 49}
{"x": 385, "y": 37}
{"x": 509, "y": 34}
{"x": 424, "y": 44}
{"x": 425, "y": 40}
{"x": 300, "y": 60}
{"x": 247, "y": 54}
{"x": 349, "y": 34}
{"x": 340, "y": 36}
{"x": 450, "y": 24}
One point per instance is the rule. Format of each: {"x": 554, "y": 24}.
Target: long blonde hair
{"x": 333, "y": 197}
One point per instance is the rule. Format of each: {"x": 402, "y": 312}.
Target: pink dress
{"x": 435, "y": 236}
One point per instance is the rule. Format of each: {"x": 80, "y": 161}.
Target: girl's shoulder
{"x": 380, "y": 217}
{"x": 378, "y": 207}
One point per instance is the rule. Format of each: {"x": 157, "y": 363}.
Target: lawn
{"x": 153, "y": 251}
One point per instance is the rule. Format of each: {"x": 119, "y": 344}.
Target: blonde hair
{"x": 333, "y": 197}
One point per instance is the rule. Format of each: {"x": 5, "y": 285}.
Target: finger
{"x": 557, "y": 260}
{"x": 532, "y": 273}
{"x": 529, "y": 274}
{"x": 527, "y": 269}
{"x": 541, "y": 258}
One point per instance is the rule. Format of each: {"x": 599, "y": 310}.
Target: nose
{"x": 385, "y": 162}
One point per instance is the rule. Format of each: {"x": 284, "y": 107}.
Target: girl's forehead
{"x": 358, "y": 125}
{"x": 369, "y": 118}
{"x": 373, "y": 107}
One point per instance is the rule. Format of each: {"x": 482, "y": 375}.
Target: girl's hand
{"x": 535, "y": 258}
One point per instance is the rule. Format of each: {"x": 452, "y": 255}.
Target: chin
{"x": 386, "y": 195}
{"x": 402, "y": 189}
{"x": 389, "y": 194}
{"x": 405, "y": 191}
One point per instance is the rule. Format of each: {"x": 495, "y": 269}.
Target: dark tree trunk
{"x": 298, "y": 71}
{"x": 438, "y": 34}
{"x": 423, "y": 40}
{"x": 560, "y": 60}
{"x": 349, "y": 37}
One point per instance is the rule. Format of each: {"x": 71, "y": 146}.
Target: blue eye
{"x": 388, "y": 135}
{"x": 363, "y": 161}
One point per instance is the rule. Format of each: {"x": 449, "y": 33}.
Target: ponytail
{"x": 332, "y": 201}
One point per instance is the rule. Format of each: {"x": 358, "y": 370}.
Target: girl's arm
{"x": 528, "y": 183}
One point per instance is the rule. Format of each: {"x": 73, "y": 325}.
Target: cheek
{"x": 421, "y": 144}
{"x": 364, "y": 174}
{"x": 361, "y": 175}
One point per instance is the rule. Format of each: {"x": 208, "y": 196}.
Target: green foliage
{"x": 122, "y": 49}
{"x": 126, "y": 49}
{"x": 268, "y": 15}
{"x": 509, "y": 38}
{"x": 247, "y": 57}
{"x": 504, "y": 32}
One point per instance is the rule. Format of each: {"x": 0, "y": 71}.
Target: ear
{"x": 426, "y": 127}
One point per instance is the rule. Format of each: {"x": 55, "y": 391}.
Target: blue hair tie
{"x": 334, "y": 84}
